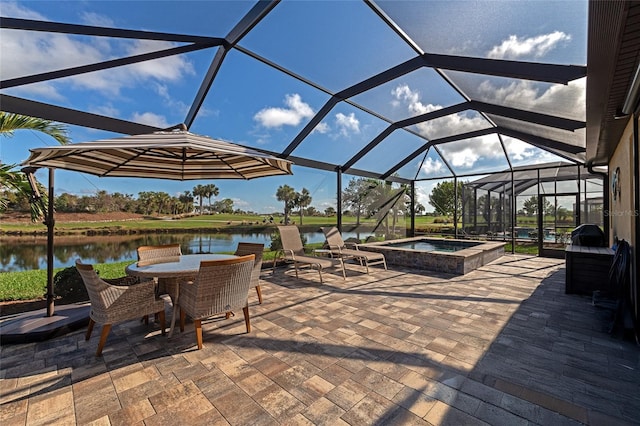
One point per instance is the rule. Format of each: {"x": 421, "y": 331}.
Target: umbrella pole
{"x": 50, "y": 222}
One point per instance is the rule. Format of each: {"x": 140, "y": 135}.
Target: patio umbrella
{"x": 176, "y": 154}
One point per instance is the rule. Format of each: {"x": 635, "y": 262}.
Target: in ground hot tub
{"x": 438, "y": 254}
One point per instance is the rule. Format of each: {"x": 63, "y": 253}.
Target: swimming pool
{"x": 438, "y": 254}
{"x": 433, "y": 245}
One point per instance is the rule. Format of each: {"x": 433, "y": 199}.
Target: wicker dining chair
{"x": 294, "y": 252}
{"x": 152, "y": 253}
{"x": 112, "y": 303}
{"x": 338, "y": 247}
{"x": 256, "y": 249}
{"x": 158, "y": 254}
{"x": 220, "y": 287}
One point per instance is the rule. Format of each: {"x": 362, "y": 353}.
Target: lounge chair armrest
{"x": 114, "y": 294}
{"x": 144, "y": 286}
{"x": 349, "y": 245}
{"x": 334, "y": 247}
{"x": 288, "y": 254}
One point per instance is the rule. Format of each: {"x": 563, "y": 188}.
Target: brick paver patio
{"x": 502, "y": 345}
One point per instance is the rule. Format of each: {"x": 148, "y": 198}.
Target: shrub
{"x": 68, "y": 285}
{"x": 441, "y": 220}
{"x": 276, "y": 242}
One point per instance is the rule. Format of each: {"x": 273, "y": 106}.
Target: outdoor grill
{"x": 588, "y": 235}
{"x": 588, "y": 261}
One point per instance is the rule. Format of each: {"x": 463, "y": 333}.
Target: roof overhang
{"x": 613, "y": 57}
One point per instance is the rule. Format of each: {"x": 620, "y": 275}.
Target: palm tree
{"x": 211, "y": 191}
{"x": 162, "y": 199}
{"x": 17, "y": 181}
{"x": 199, "y": 191}
{"x": 302, "y": 200}
{"x": 187, "y": 201}
{"x": 9, "y": 123}
{"x": 287, "y": 194}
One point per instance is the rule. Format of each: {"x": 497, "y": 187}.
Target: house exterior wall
{"x": 622, "y": 205}
{"x": 621, "y": 212}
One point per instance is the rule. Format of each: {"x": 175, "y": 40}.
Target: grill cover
{"x": 588, "y": 235}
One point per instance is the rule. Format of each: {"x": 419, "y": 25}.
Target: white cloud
{"x": 239, "y": 203}
{"x": 432, "y": 167}
{"x": 533, "y": 47}
{"x": 34, "y": 52}
{"x": 404, "y": 96}
{"x": 519, "y": 150}
{"x": 570, "y": 98}
{"x": 150, "y": 119}
{"x": 13, "y": 9}
{"x": 176, "y": 106}
{"x": 522, "y": 153}
{"x": 171, "y": 68}
{"x": 322, "y": 128}
{"x": 451, "y": 124}
{"x": 464, "y": 158}
{"x": 423, "y": 191}
{"x": 462, "y": 154}
{"x": 97, "y": 20}
{"x": 440, "y": 127}
{"x": 347, "y": 124}
{"x": 466, "y": 153}
{"x": 275, "y": 117}
{"x": 40, "y": 91}
{"x": 107, "y": 110}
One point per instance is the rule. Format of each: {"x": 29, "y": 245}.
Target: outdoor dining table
{"x": 181, "y": 267}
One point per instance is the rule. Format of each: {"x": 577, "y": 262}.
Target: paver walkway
{"x": 502, "y": 345}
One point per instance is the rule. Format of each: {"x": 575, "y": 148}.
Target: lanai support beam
{"x": 513, "y": 215}
{"x": 455, "y": 207}
{"x": 339, "y": 198}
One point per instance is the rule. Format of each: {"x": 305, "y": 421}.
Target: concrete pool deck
{"x": 502, "y": 345}
{"x": 458, "y": 262}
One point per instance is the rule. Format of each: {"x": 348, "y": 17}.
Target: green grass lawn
{"x": 521, "y": 248}
{"x": 27, "y": 285}
{"x": 218, "y": 221}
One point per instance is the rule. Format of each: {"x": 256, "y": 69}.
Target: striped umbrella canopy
{"x": 176, "y": 155}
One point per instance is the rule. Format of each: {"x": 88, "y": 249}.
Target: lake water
{"x": 31, "y": 253}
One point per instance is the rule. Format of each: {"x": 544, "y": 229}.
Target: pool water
{"x": 438, "y": 254}
{"x": 435, "y": 245}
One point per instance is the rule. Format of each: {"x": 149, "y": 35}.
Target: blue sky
{"x": 334, "y": 44}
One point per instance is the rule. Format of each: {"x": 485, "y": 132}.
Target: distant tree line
{"x": 442, "y": 198}
{"x": 147, "y": 202}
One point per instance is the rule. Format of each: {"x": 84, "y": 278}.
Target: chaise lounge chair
{"x": 338, "y": 248}
{"x": 294, "y": 251}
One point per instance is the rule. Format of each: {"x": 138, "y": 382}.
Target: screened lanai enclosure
{"x": 539, "y": 206}
{"x": 377, "y": 100}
